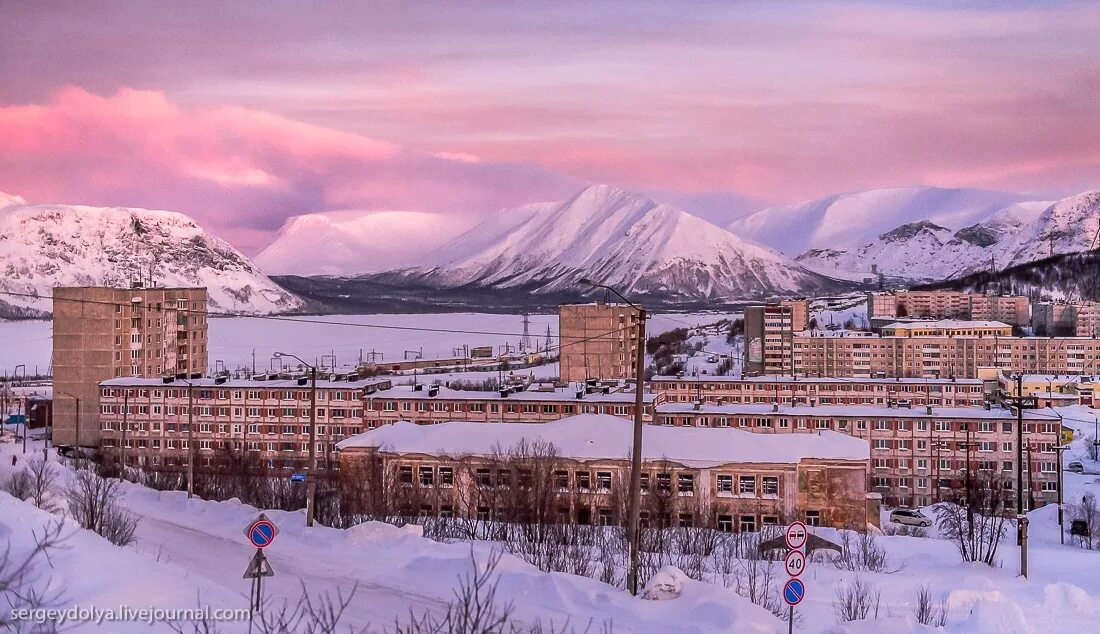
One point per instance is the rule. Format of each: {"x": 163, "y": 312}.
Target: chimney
{"x": 433, "y": 390}
{"x": 775, "y": 407}
{"x": 929, "y": 410}
{"x": 695, "y": 406}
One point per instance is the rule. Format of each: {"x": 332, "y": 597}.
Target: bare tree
{"x": 977, "y": 520}
{"x": 43, "y": 475}
{"x": 863, "y": 552}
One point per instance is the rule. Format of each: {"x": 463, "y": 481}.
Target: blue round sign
{"x": 261, "y": 533}
{"x": 794, "y": 591}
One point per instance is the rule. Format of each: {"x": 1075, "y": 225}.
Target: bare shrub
{"x": 94, "y": 504}
{"x": 22, "y": 583}
{"x": 43, "y": 475}
{"x": 856, "y": 600}
{"x": 755, "y": 579}
{"x": 864, "y": 552}
{"x": 19, "y": 485}
{"x": 929, "y": 611}
{"x": 321, "y": 613}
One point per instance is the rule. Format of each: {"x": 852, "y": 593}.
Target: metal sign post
{"x": 260, "y": 532}
{"x": 795, "y": 564}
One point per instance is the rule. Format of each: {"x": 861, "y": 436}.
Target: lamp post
{"x": 311, "y": 478}
{"x": 190, "y": 433}
{"x": 1061, "y": 528}
{"x": 634, "y": 510}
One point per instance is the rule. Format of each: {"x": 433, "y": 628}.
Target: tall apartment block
{"x": 769, "y": 331}
{"x": 1010, "y": 309}
{"x": 1066, "y": 319}
{"x": 101, "y": 333}
{"x": 598, "y": 341}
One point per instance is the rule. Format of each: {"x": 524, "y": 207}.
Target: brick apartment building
{"x": 848, "y": 354}
{"x": 729, "y": 390}
{"x": 946, "y": 328}
{"x": 435, "y": 404}
{"x": 101, "y": 333}
{"x": 1066, "y": 319}
{"x": 268, "y": 417}
{"x": 1010, "y": 309}
{"x": 769, "y": 331}
{"x": 597, "y": 341}
{"x": 726, "y": 479}
{"x": 918, "y": 454}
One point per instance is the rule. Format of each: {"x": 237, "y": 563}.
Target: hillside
{"x": 43, "y": 246}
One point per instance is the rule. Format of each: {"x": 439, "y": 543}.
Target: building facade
{"x": 430, "y": 404}
{"x": 769, "y": 332}
{"x": 1066, "y": 319}
{"x": 144, "y": 422}
{"x": 576, "y": 470}
{"x": 1014, "y": 310}
{"x": 947, "y": 328}
{"x": 919, "y": 455}
{"x": 729, "y": 390}
{"x": 101, "y": 333}
{"x": 597, "y": 341}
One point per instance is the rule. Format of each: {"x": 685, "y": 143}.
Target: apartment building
{"x": 946, "y": 328}
{"x": 101, "y": 333}
{"x": 1066, "y": 319}
{"x": 146, "y": 420}
{"x": 769, "y": 331}
{"x": 430, "y": 404}
{"x": 1049, "y": 390}
{"x": 826, "y": 354}
{"x": 1010, "y": 309}
{"x": 576, "y": 470}
{"x": 597, "y": 341}
{"x": 732, "y": 390}
{"x": 919, "y": 454}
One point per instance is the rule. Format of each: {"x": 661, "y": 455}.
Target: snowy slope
{"x": 619, "y": 238}
{"x": 355, "y": 242}
{"x": 924, "y": 250}
{"x": 848, "y": 220}
{"x": 43, "y": 246}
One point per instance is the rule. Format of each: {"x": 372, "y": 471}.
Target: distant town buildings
{"x": 769, "y": 332}
{"x": 1066, "y": 319}
{"x": 597, "y": 341}
{"x": 1013, "y": 310}
{"x": 101, "y": 333}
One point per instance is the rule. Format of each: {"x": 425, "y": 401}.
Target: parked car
{"x": 910, "y": 517}
{"x": 1075, "y": 466}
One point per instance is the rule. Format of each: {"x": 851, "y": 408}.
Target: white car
{"x": 910, "y": 517}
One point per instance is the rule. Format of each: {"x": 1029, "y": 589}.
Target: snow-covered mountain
{"x": 42, "y": 246}
{"x": 618, "y": 238}
{"x": 1018, "y": 233}
{"x": 842, "y": 221}
{"x": 355, "y": 242}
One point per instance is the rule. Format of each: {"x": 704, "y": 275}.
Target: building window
{"x": 687, "y": 520}
{"x": 603, "y": 481}
{"x": 561, "y": 480}
{"x": 813, "y": 518}
{"x": 725, "y": 523}
{"x": 747, "y": 524}
{"x": 427, "y": 476}
{"x": 770, "y": 485}
{"x": 747, "y": 485}
{"x": 483, "y": 478}
{"x": 405, "y": 474}
{"x": 664, "y": 483}
{"x": 584, "y": 480}
{"x": 725, "y": 485}
{"x": 446, "y": 476}
{"x": 685, "y": 484}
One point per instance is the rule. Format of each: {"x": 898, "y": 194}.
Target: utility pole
{"x": 311, "y": 477}
{"x": 969, "y": 505}
{"x": 122, "y": 445}
{"x": 1061, "y": 524}
{"x": 634, "y": 511}
{"x": 1019, "y": 401}
{"x": 190, "y": 439}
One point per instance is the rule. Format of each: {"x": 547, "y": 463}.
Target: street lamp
{"x": 311, "y": 478}
{"x": 1061, "y": 528}
{"x": 636, "y": 453}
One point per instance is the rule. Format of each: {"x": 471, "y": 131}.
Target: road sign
{"x": 793, "y": 592}
{"x": 261, "y": 532}
{"x": 259, "y": 567}
{"x": 297, "y": 477}
{"x": 796, "y": 535}
{"x": 795, "y": 563}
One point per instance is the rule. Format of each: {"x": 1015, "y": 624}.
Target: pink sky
{"x": 243, "y": 114}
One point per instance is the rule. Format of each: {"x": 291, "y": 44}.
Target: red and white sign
{"x": 796, "y": 536}
{"x": 795, "y": 563}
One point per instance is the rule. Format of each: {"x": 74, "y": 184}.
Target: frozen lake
{"x": 234, "y": 341}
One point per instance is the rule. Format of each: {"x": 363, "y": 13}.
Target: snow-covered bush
{"x": 856, "y": 600}
{"x": 93, "y": 503}
{"x": 929, "y": 611}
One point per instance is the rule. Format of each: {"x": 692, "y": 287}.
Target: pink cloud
{"x": 238, "y": 170}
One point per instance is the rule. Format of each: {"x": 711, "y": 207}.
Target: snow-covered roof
{"x": 772, "y": 378}
{"x": 597, "y": 436}
{"x": 250, "y": 384}
{"x": 448, "y": 394}
{"x": 855, "y": 411}
{"x": 944, "y": 324}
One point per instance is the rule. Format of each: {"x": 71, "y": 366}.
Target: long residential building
{"x": 1010, "y": 309}
{"x": 919, "y": 454}
{"x": 101, "y": 333}
{"x": 863, "y": 355}
{"x": 788, "y": 390}
{"x": 145, "y": 421}
{"x": 576, "y": 470}
{"x": 429, "y": 404}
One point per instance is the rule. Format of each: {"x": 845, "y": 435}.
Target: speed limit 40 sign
{"x": 795, "y": 563}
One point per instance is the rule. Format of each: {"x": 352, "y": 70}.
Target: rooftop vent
{"x": 433, "y": 390}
